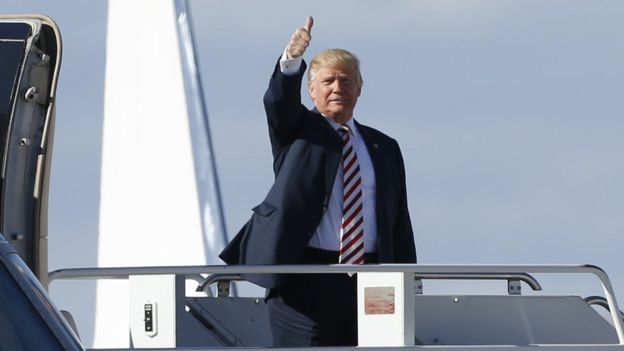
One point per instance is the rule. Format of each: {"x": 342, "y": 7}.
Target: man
{"x": 339, "y": 196}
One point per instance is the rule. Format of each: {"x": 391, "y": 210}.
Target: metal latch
{"x": 514, "y": 287}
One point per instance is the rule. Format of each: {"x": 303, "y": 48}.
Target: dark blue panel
{"x": 14, "y": 31}
{"x": 11, "y": 61}
{"x": 22, "y": 327}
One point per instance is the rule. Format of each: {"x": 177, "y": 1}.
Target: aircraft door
{"x": 30, "y": 48}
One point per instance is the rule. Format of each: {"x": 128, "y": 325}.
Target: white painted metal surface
{"x": 153, "y": 310}
{"x": 385, "y": 309}
{"x": 150, "y": 212}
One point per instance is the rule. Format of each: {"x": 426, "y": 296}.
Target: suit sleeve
{"x": 284, "y": 111}
{"x": 404, "y": 247}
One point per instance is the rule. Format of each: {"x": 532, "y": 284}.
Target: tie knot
{"x": 343, "y": 129}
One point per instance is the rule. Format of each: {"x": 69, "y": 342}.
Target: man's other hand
{"x": 300, "y": 40}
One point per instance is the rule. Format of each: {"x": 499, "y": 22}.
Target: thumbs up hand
{"x": 300, "y": 40}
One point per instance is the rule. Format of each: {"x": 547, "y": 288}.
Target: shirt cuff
{"x": 290, "y": 67}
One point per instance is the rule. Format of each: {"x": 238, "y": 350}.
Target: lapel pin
{"x": 375, "y": 146}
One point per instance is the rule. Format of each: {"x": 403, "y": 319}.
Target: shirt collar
{"x": 350, "y": 123}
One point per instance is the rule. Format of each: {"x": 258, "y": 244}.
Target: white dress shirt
{"x": 328, "y": 233}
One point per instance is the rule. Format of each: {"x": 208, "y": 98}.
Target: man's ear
{"x": 311, "y": 91}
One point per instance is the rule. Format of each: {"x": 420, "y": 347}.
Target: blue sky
{"x": 509, "y": 115}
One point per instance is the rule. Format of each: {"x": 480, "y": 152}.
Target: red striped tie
{"x": 352, "y": 238}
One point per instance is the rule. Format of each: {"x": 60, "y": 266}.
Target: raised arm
{"x": 282, "y": 100}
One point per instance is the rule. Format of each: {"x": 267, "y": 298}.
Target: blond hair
{"x": 335, "y": 58}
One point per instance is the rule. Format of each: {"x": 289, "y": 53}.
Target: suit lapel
{"x": 333, "y": 152}
{"x": 376, "y": 152}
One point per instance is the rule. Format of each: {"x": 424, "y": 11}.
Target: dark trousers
{"x": 315, "y": 309}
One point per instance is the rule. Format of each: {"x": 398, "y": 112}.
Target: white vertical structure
{"x": 153, "y": 311}
{"x": 385, "y": 309}
{"x": 154, "y": 207}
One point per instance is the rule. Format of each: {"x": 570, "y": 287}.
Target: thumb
{"x": 309, "y": 23}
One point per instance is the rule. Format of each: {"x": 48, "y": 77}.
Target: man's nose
{"x": 337, "y": 86}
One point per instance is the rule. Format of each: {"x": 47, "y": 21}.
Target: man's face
{"x": 335, "y": 91}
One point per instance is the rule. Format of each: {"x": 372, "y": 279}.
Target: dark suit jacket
{"x": 306, "y": 156}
